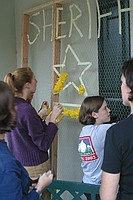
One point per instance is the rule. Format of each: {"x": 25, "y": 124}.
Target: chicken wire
{"x": 113, "y": 49}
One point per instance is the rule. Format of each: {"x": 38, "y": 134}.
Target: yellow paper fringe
{"x": 72, "y": 113}
{"x": 81, "y": 89}
{"x": 59, "y": 85}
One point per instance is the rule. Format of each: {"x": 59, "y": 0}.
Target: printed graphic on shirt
{"x": 86, "y": 149}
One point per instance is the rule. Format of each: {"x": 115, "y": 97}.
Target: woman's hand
{"x": 57, "y": 109}
{"x": 43, "y": 112}
{"x": 44, "y": 180}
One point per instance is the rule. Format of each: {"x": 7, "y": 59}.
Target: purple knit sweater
{"x": 30, "y": 140}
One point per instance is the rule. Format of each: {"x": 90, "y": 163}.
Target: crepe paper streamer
{"x": 72, "y": 113}
{"x": 81, "y": 89}
{"x": 59, "y": 85}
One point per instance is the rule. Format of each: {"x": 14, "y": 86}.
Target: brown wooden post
{"x": 24, "y": 42}
{"x": 55, "y": 97}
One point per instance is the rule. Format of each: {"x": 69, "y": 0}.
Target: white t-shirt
{"x": 91, "y": 149}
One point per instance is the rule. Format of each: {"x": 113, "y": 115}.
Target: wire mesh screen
{"x": 113, "y": 49}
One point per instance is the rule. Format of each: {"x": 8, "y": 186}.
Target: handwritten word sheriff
{"x": 73, "y": 21}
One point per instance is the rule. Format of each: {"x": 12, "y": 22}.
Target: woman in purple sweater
{"x": 32, "y": 137}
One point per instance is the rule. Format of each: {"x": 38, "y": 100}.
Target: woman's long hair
{"x": 18, "y": 79}
{"x": 7, "y": 108}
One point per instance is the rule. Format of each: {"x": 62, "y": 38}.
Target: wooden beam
{"x": 24, "y": 42}
{"x": 56, "y": 48}
{"x": 46, "y": 5}
{"x": 55, "y": 97}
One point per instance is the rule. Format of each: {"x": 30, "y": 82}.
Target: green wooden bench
{"x": 76, "y": 189}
